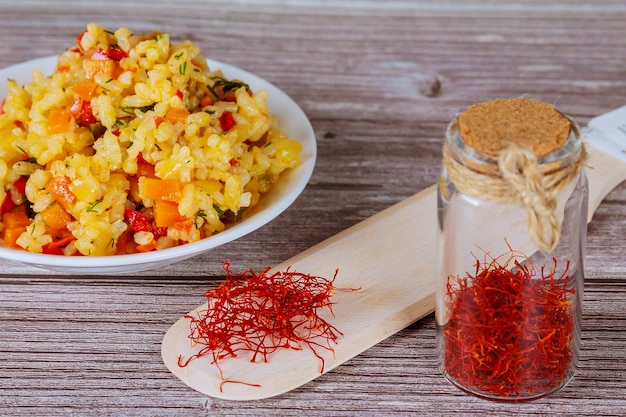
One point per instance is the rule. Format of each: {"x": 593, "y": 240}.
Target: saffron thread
{"x": 261, "y": 313}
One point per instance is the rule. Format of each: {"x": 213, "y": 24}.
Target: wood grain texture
{"x": 379, "y": 81}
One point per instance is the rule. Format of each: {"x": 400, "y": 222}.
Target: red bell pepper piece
{"x": 116, "y": 53}
{"x": 58, "y": 243}
{"x": 82, "y": 112}
{"x": 144, "y": 168}
{"x": 20, "y": 185}
{"x": 159, "y": 231}
{"x": 7, "y": 204}
{"x": 137, "y": 221}
{"x": 227, "y": 121}
{"x": 79, "y": 38}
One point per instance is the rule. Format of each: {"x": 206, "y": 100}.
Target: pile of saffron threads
{"x": 260, "y": 313}
{"x": 510, "y": 332}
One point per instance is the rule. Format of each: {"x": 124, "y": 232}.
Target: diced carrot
{"x": 158, "y": 120}
{"x": 175, "y": 115}
{"x": 158, "y": 189}
{"x": 166, "y": 214}
{"x": 55, "y": 217}
{"x": 15, "y": 224}
{"x": 148, "y": 246}
{"x": 59, "y": 121}
{"x": 85, "y": 90}
{"x": 125, "y": 243}
{"x": 59, "y": 188}
{"x": 61, "y": 239}
{"x": 206, "y": 101}
{"x": 11, "y": 236}
{"x": 185, "y": 224}
{"x": 56, "y": 247}
{"x": 61, "y": 234}
{"x": 15, "y": 219}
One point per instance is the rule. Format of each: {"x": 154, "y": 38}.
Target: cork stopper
{"x": 491, "y": 126}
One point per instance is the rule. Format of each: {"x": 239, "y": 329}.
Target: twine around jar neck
{"x": 519, "y": 178}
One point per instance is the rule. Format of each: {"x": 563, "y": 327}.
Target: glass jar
{"x": 512, "y": 225}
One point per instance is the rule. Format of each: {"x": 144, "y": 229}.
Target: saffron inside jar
{"x": 510, "y": 332}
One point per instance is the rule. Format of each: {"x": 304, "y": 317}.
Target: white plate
{"x": 292, "y": 120}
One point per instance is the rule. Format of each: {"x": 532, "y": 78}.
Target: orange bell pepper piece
{"x": 175, "y": 115}
{"x": 166, "y": 214}
{"x": 59, "y": 188}
{"x": 94, "y": 67}
{"x": 85, "y": 90}
{"x": 159, "y": 189}
{"x": 55, "y": 217}
{"x": 59, "y": 121}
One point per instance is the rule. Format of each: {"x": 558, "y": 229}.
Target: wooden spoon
{"x": 391, "y": 257}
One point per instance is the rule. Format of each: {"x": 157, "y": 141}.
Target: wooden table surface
{"x": 379, "y": 81}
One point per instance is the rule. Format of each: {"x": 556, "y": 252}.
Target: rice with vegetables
{"x": 133, "y": 144}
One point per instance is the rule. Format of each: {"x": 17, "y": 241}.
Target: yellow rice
{"x": 223, "y": 171}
